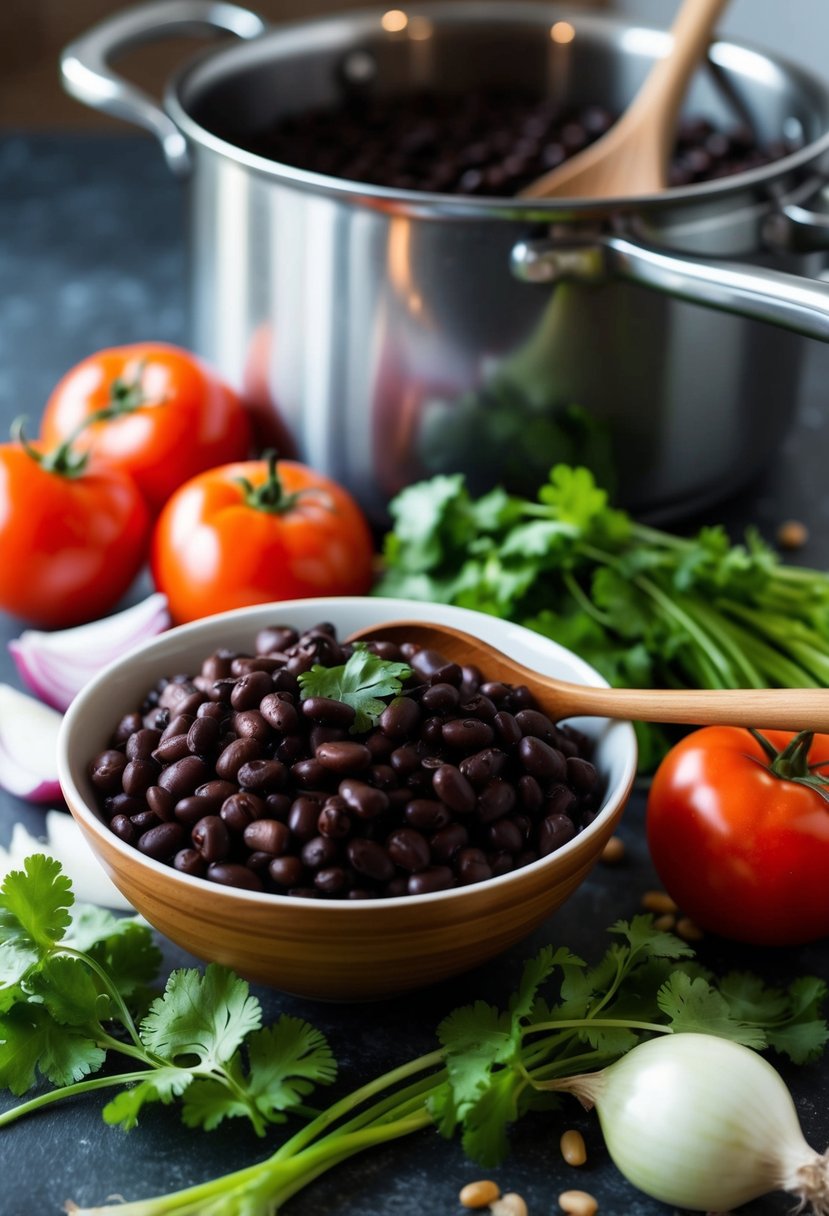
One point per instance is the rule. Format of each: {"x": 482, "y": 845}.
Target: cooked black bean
{"x": 408, "y": 849}
{"x": 334, "y": 819}
{"x": 190, "y": 861}
{"x": 495, "y": 800}
{"x": 240, "y": 809}
{"x": 287, "y": 871}
{"x": 106, "y": 769}
{"x": 279, "y": 713}
{"x": 303, "y": 816}
{"x": 161, "y": 842}
{"x": 435, "y": 878}
{"x": 446, "y": 841}
{"x": 483, "y": 765}
{"x": 581, "y": 774}
{"x": 533, "y": 722}
{"x": 328, "y": 711}
{"x": 440, "y": 698}
{"x": 124, "y": 828}
{"x": 264, "y": 776}
{"x": 555, "y": 830}
{"x": 541, "y": 760}
{"x": 426, "y": 814}
{"x": 234, "y": 755}
{"x": 250, "y": 724}
{"x": 267, "y": 836}
{"x": 369, "y": 858}
{"x": 362, "y": 799}
{"x": 230, "y": 874}
{"x": 467, "y": 734}
{"x": 400, "y": 718}
{"x": 461, "y": 779}
{"x": 212, "y": 838}
{"x": 142, "y": 743}
{"x": 138, "y": 776}
{"x": 276, "y": 638}
{"x": 454, "y": 789}
{"x": 471, "y": 866}
{"x": 183, "y": 776}
{"x": 161, "y": 802}
{"x": 343, "y": 756}
{"x": 249, "y": 690}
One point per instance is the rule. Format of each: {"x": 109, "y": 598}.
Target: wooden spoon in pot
{"x": 768, "y": 708}
{"x": 632, "y": 158}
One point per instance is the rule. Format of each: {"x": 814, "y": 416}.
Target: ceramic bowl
{"x": 343, "y": 949}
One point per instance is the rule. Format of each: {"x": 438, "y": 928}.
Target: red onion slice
{"x": 28, "y": 746}
{"x": 55, "y": 666}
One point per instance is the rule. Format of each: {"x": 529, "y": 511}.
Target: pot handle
{"x": 87, "y": 75}
{"x": 786, "y": 300}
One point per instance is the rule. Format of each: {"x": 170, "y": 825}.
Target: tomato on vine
{"x": 151, "y": 410}
{"x": 257, "y": 531}
{"x": 738, "y": 830}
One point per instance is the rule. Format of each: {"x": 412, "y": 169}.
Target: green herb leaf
{"x": 34, "y": 904}
{"x": 31, "y": 1041}
{"x": 361, "y": 682}
{"x": 693, "y": 1005}
{"x": 163, "y": 1084}
{"x": 205, "y": 1017}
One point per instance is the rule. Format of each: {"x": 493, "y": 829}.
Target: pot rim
{"x": 413, "y": 202}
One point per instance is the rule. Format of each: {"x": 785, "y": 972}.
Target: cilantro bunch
{"x": 645, "y": 607}
{"x": 70, "y": 983}
{"x": 75, "y": 989}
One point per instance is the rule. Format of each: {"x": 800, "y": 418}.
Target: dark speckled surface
{"x": 92, "y": 253}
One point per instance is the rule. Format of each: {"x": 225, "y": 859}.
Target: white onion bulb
{"x": 703, "y": 1123}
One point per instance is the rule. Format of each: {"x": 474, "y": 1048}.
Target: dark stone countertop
{"x": 91, "y": 254}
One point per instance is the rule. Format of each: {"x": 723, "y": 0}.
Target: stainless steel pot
{"x": 396, "y": 334}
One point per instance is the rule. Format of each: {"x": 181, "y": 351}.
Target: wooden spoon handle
{"x": 665, "y": 87}
{"x": 765, "y": 708}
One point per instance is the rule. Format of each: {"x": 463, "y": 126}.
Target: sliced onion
{"x": 55, "y": 666}
{"x": 28, "y": 746}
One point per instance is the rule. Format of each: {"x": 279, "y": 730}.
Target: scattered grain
{"x": 510, "y": 1204}
{"x": 572, "y": 1147}
{"x": 688, "y": 930}
{"x": 479, "y": 1194}
{"x": 614, "y": 851}
{"x": 666, "y": 923}
{"x": 578, "y": 1203}
{"x": 792, "y": 534}
{"x": 658, "y": 902}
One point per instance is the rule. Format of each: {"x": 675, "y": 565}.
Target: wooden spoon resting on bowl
{"x": 632, "y": 158}
{"x": 767, "y": 708}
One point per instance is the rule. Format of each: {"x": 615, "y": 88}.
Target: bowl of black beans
{"x": 338, "y": 820}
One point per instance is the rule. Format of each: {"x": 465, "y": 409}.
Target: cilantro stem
{"x": 124, "y": 1015}
{"x": 68, "y": 1091}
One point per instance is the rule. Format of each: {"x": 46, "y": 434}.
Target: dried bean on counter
{"x": 227, "y": 774}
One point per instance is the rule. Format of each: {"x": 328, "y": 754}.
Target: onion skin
{"x": 703, "y": 1123}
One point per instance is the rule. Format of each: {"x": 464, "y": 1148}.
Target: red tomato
{"x": 166, "y": 415}
{"x": 70, "y": 543}
{"x": 743, "y": 850}
{"x": 289, "y": 533}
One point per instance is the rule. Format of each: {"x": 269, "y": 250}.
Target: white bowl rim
{"x": 387, "y": 609}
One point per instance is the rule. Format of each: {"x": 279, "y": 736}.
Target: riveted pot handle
{"x": 87, "y": 75}
{"x": 785, "y": 300}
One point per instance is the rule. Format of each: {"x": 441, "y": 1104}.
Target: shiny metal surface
{"x": 387, "y": 330}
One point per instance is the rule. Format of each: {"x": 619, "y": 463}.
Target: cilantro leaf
{"x": 361, "y": 683}
{"x": 202, "y": 1016}
{"x": 67, "y": 990}
{"x": 286, "y": 1061}
{"x": 644, "y": 938}
{"x": 160, "y": 1085}
{"x": 475, "y": 1038}
{"x": 693, "y": 1005}
{"x": 34, "y": 904}
{"x": 31, "y": 1042}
